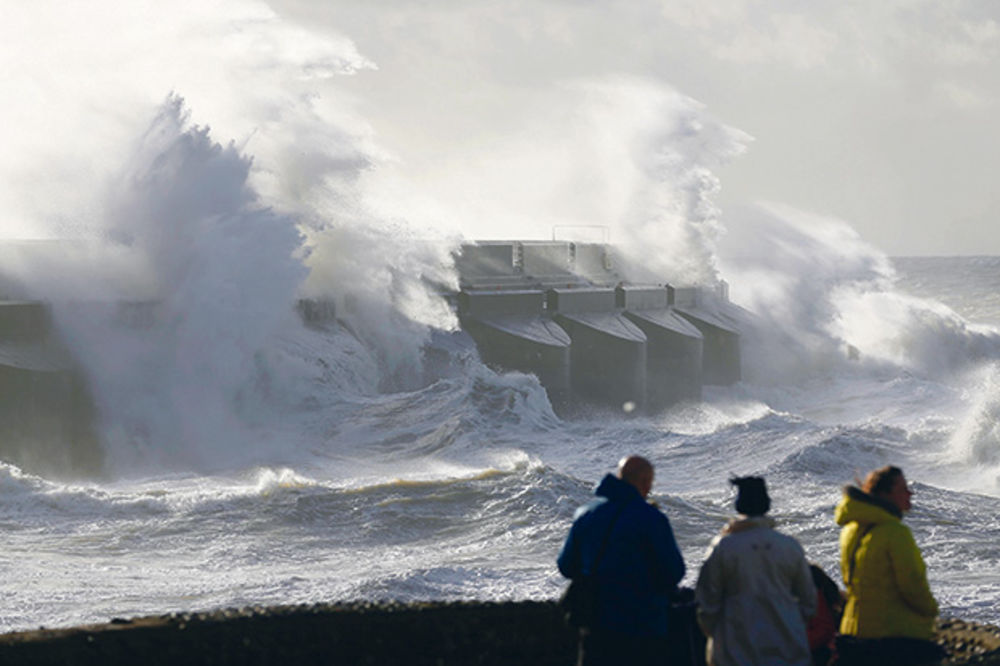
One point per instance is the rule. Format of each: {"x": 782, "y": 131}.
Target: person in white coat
{"x": 755, "y": 592}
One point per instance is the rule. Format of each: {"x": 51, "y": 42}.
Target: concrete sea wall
{"x": 414, "y": 634}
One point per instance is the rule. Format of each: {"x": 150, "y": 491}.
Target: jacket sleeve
{"x": 569, "y": 557}
{"x": 847, "y": 536}
{"x": 708, "y": 591}
{"x": 667, "y": 554}
{"x": 803, "y": 586}
{"x": 910, "y": 573}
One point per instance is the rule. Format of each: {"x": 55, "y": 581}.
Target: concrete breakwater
{"x": 415, "y": 634}
{"x": 565, "y": 312}
{"x": 44, "y": 400}
{"x": 569, "y": 314}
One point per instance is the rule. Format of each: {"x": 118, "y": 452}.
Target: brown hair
{"x": 881, "y": 480}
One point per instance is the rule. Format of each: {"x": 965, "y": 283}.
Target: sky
{"x": 881, "y": 114}
{"x": 508, "y": 118}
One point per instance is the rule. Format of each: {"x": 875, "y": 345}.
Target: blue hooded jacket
{"x": 641, "y": 565}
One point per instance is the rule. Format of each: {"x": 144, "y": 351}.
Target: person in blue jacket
{"x": 636, "y": 573}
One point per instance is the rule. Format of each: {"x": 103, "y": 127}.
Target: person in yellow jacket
{"x": 890, "y": 611}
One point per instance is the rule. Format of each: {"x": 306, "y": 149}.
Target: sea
{"x": 252, "y": 459}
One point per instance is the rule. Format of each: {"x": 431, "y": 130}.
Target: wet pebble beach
{"x": 415, "y": 634}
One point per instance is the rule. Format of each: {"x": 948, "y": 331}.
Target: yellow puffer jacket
{"x": 887, "y": 590}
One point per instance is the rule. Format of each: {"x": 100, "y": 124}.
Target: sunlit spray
{"x": 224, "y": 278}
{"x": 655, "y": 155}
{"x": 825, "y": 301}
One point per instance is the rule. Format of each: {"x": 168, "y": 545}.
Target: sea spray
{"x": 87, "y": 78}
{"x": 918, "y": 334}
{"x": 824, "y": 301}
{"x": 976, "y": 439}
{"x": 657, "y": 151}
{"x": 170, "y": 272}
{"x": 224, "y": 279}
{"x": 387, "y": 287}
{"x": 787, "y": 268}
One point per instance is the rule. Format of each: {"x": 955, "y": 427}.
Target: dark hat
{"x": 751, "y": 498}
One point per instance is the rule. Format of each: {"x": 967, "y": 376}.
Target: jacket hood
{"x": 616, "y": 490}
{"x": 857, "y": 506}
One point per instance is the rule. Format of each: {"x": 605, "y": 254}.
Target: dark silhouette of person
{"x": 638, "y": 568}
{"x": 823, "y": 626}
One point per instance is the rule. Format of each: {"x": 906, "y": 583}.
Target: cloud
{"x": 790, "y": 39}
{"x": 963, "y": 96}
{"x": 877, "y": 37}
{"x": 908, "y": 86}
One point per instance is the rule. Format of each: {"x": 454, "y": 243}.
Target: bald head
{"x": 638, "y": 472}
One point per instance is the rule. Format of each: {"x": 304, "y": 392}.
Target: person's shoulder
{"x": 787, "y": 541}
{"x": 722, "y": 542}
{"x": 893, "y": 530}
{"x": 770, "y": 534}
{"x": 588, "y": 509}
{"x": 648, "y": 510}
{"x": 646, "y": 516}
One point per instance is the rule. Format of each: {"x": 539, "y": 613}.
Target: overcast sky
{"x": 882, "y": 114}
{"x": 509, "y": 116}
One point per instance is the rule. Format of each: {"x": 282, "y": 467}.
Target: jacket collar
{"x": 617, "y": 490}
{"x": 859, "y": 495}
{"x": 745, "y": 523}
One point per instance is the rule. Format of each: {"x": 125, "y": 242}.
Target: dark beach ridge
{"x": 415, "y": 634}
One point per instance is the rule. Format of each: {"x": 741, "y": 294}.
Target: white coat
{"x": 755, "y": 594}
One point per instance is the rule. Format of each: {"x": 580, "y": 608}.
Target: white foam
{"x": 976, "y": 439}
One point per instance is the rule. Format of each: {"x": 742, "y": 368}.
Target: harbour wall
{"x": 46, "y": 412}
{"x": 564, "y": 312}
{"x": 559, "y": 310}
